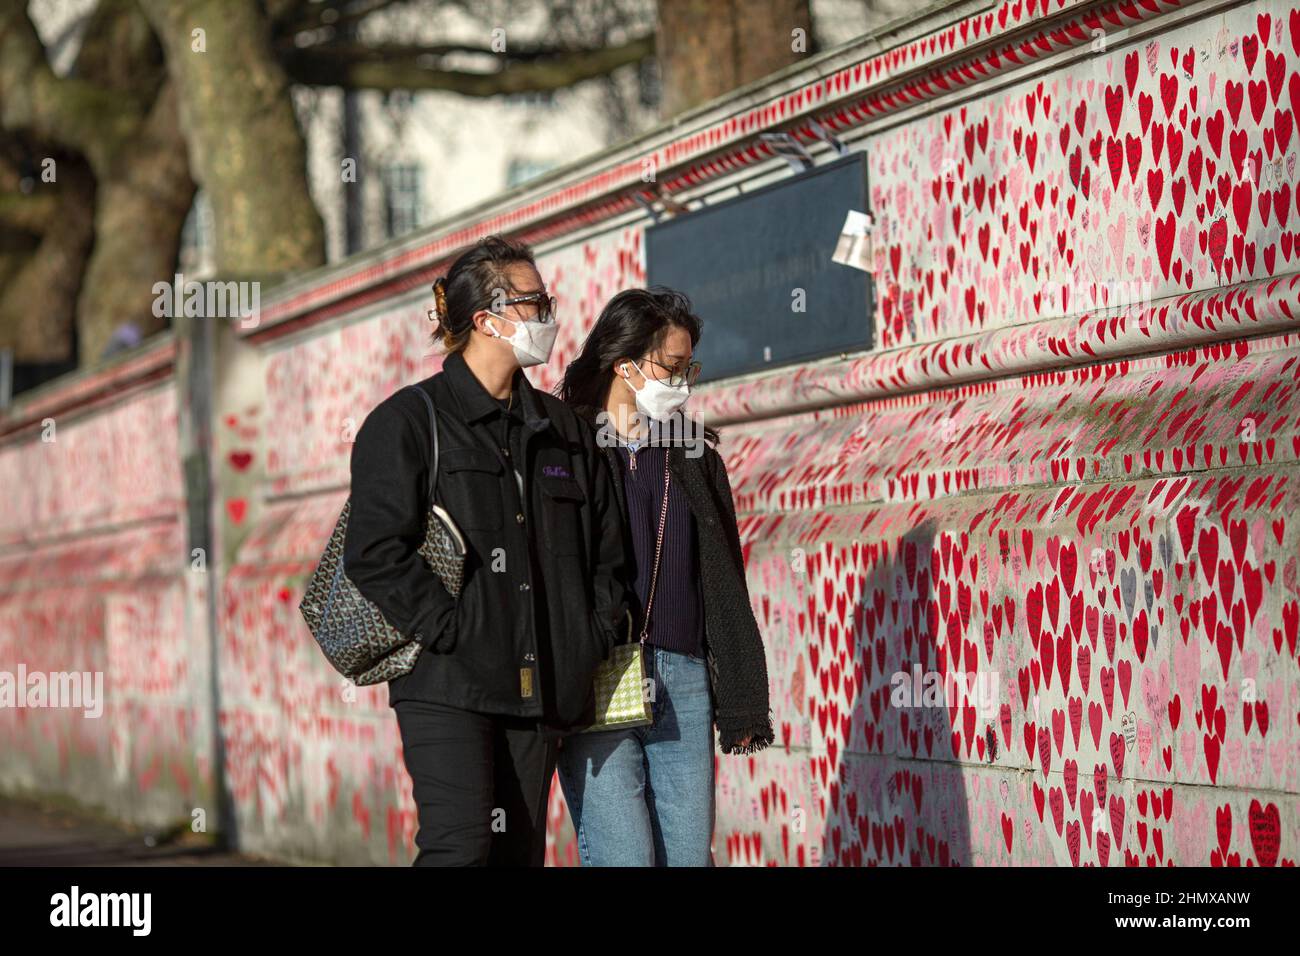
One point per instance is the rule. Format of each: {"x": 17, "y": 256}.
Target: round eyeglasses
{"x": 676, "y": 379}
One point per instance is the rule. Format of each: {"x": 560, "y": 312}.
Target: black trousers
{"x": 481, "y": 784}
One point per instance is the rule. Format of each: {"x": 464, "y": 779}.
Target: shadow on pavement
{"x": 37, "y": 834}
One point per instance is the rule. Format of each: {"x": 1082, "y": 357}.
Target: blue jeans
{"x": 644, "y": 796}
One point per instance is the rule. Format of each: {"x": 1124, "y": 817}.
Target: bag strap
{"x": 433, "y": 432}
{"x": 659, "y": 544}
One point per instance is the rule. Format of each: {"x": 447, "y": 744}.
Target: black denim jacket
{"x": 546, "y": 592}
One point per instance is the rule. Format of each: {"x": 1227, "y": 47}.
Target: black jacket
{"x": 733, "y": 645}
{"x": 545, "y": 592}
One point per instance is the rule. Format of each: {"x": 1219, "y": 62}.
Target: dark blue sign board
{"x": 740, "y": 262}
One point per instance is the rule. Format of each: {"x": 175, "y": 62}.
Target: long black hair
{"x": 634, "y": 322}
{"x": 470, "y": 284}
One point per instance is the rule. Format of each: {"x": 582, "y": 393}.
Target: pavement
{"x": 35, "y": 832}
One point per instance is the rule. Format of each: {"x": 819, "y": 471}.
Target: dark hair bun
{"x": 469, "y": 285}
{"x": 440, "y": 298}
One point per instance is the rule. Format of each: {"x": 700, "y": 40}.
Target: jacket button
{"x": 524, "y": 586}
{"x": 519, "y": 517}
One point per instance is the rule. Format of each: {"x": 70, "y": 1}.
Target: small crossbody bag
{"x": 621, "y": 698}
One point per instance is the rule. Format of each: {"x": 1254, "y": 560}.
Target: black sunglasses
{"x": 545, "y": 304}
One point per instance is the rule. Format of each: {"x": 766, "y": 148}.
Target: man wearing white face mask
{"x": 532, "y": 339}
{"x": 509, "y": 660}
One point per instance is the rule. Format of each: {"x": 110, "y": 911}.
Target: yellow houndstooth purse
{"x": 621, "y": 700}
{"x": 621, "y": 697}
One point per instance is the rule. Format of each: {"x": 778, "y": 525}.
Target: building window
{"x": 531, "y": 99}
{"x": 397, "y": 101}
{"x": 521, "y": 170}
{"x": 401, "y": 199}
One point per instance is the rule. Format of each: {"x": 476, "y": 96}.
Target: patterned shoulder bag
{"x": 620, "y": 680}
{"x": 352, "y": 632}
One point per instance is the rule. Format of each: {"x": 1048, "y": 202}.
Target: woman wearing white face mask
{"x": 643, "y": 796}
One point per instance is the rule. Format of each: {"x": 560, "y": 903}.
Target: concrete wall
{"x": 1091, "y": 509}
{"x": 97, "y": 578}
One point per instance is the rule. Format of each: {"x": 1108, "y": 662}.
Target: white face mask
{"x": 656, "y": 400}
{"x": 532, "y": 341}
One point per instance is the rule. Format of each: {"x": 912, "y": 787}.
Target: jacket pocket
{"x": 470, "y": 486}
{"x": 562, "y": 501}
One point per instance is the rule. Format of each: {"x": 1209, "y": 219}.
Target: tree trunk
{"x": 246, "y": 150}
{"x": 117, "y": 111}
{"x": 48, "y": 243}
{"x": 139, "y": 213}
{"x": 709, "y": 47}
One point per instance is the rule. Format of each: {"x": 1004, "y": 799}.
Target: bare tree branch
{"x": 393, "y": 67}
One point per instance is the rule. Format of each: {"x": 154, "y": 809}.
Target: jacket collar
{"x": 475, "y": 401}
